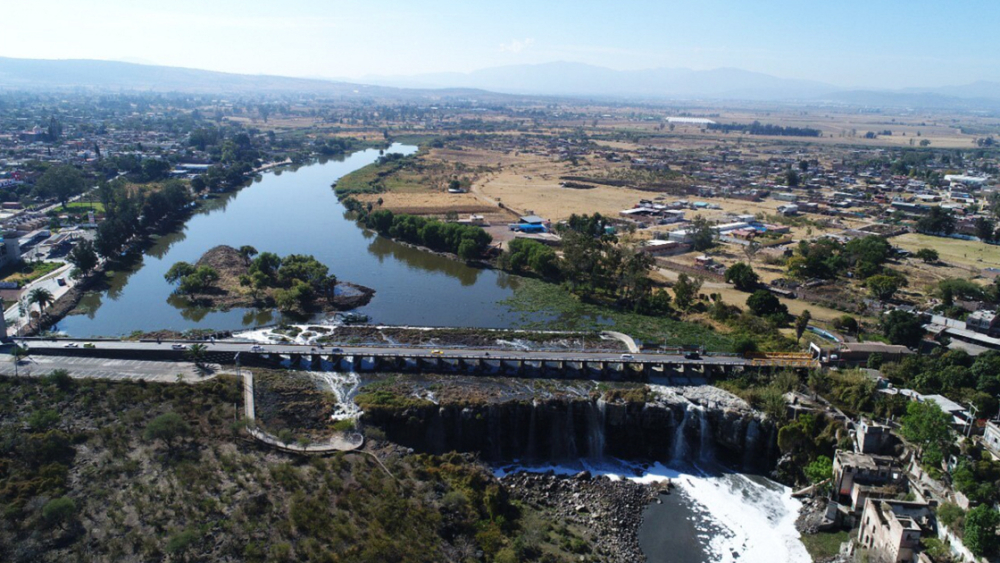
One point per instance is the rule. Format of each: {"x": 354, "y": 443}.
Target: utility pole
{"x": 968, "y": 430}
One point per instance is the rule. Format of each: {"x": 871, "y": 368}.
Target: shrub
{"x": 59, "y": 511}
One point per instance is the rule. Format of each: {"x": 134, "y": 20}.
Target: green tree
{"x": 937, "y": 221}
{"x": 763, "y": 303}
{"x": 468, "y": 250}
{"x": 984, "y": 229}
{"x": 883, "y": 287}
{"x": 686, "y": 291}
{"x": 59, "y": 511}
{"x": 197, "y": 353}
{"x": 167, "y": 428}
{"x": 901, "y": 327}
{"x": 820, "y": 469}
{"x": 847, "y": 324}
{"x": 83, "y": 257}
{"x": 702, "y": 234}
{"x": 247, "y": 252}
{"x": 742, "y": 276}
{"x": 926, "y": 426}
{"x": 178, "y": 271}
{"x": 928, "y": 255}
{"x": 981, "y": 530}
{"x": 950, "y": 515}
{"x": 60, "y": 182}
{"x": 41, "y": 297}
{"x": 802, "y": 323}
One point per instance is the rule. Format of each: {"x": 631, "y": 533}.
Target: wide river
{"x": 297, "y": 212}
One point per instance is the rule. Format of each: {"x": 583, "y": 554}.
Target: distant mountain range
{"x": 576, "y": 79}
{"x": 562, "y": 79}
{"x": 79, "y": 74}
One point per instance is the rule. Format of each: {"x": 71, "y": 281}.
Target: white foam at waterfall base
{"x": 739, "y": 518}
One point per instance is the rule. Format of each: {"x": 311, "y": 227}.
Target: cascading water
{"x": 595, "y": 429}
{"x": 571, "y": 451}
{"x": 532, "y": 452}
{"x": 680, "y": 442}
{"x": 705, "y": 450}
{"x": 750, "y": 440}
{"x": 344, "y": 385}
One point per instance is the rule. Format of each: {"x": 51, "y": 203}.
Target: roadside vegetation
{"x": 117, "y": 470}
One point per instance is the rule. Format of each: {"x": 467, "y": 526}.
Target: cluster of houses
{"x": 880, "y": 492}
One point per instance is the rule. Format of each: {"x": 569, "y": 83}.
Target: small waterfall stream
{"x": 344, "y": 385}
{"x": 680, "y": 441}
{"x": 596, "y": 418}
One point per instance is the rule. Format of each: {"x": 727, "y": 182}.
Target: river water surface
{"x": 297, "y": 212}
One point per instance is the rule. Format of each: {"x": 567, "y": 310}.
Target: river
{"x": 711, "y": 516}
{"x": 297, "y": 212}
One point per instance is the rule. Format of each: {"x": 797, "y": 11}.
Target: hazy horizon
{"x": 850, "y": 44}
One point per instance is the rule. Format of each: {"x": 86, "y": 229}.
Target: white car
{"x": 179, "y": 347}
{"x": 627, "y": 357}
{"x": 257, "y": 348}
{"x": 71, "y": 345}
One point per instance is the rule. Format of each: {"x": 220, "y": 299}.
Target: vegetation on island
{"x": 227, "y": 277}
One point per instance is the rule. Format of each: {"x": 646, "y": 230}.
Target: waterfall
{"x": 344, "y": 385}
{"x": 595, "y": 429}
{"x": 705, "y": 450}
{"x": 680, "y": 442}
{"x": 493, "y": 430}
{"x": 750, "y": 440}
{"x": 532, "y": 452}
{"x": 570, "y": 431}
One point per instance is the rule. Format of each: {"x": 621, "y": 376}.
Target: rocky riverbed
{"x": 611, "y": 510}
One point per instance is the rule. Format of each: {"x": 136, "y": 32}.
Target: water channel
{"x": 297, "y": 212}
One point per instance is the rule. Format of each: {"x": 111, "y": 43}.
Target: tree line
{"x": 467, "y": 241}
{"x": 130, "y": 212}
{"x": 758, "y": 128}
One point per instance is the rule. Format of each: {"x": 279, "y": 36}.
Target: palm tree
{"x": 197, "y": 353}
{"x": 41, "y": 297}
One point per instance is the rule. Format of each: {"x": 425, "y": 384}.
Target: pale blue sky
{"x": 873, "y": 43}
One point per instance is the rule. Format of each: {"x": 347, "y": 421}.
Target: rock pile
{"x": 610, "y": 509}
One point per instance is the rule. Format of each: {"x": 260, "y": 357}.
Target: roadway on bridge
{"x": 95, "y": 347}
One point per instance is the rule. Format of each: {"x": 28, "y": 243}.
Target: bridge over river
{"x": 525, "y": 363}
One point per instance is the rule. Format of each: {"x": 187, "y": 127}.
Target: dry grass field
{"x": 970, "y": 254}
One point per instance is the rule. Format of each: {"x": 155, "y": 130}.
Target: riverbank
{"x": 97, "y": 279}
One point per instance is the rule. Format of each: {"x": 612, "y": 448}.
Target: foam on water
{"x": 739, "y": 518}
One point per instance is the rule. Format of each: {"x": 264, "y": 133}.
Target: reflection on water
{"x": 296, "y": 212}
{"x": 382, "y": 248}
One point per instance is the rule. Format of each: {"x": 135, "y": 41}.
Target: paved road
{"x": 103, "y": 368}
{"x": 61, "y": 346}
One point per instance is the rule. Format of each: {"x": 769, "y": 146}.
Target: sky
{"x": 848, "y": 43}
